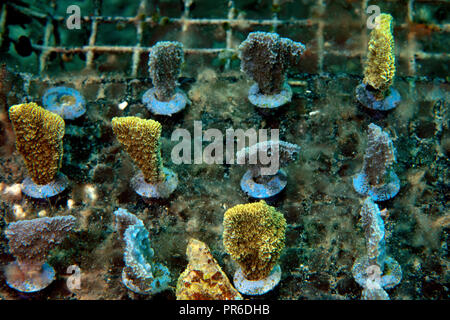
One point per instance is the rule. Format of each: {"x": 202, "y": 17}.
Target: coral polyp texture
{"x": 375, "y": 92}
{"x": 203, "y": 278}
{"x": 377, "y": 178}
{"x": 375, "y": 272}
{"x": 141, "y": 273}
{"x": 265, "y": 57}
{"x": 165, "y": 60}
{"x": 254, "y": 236}
{"x": 39, "y": 139}
{"x": 260, "y": 180}
{"x": 141, "y": 140}
{"x": 64, "y": 101}
{"x": 30, "y": 242}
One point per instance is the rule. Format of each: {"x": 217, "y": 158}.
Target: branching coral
{"x": 377, "y": 178}
{"x": 265, "y": 58}
{"x": 379, "y": 72}
{"x": 39, "y": 135}
{"x": 140, "y": 274}
{"x": 261, "y": 180}
{"x": 30, "y": 241}
{"x": 165, "y": 60}
{"x": 254, "y": 236}
{"x": 141, "y": 139}
{"x": 64, "y": 101}
{"x": 375, "y": 272}
{"x": 203, "y": 278}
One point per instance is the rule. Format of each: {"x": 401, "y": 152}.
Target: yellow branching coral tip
{"x": 254, "y": 236}
{"x": 141, "y": 139}
{"x": 39, "y": 135}
{"x": 380, "y": 66}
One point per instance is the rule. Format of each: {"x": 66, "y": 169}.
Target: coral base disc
{"x": 64, "y": 101}
{"x": 269, "y": 101}
{"x": 257, "y": 287}
{"x": 263, "y": 190}
{"x": 367, "y": 99}
{"x": 392, "y": 272}
{"x": 377, "y": 193}
{"x": 33, "y": 190}
{"x": 32, "y": 283}
{"x": 166, "y": 108}
{"x": 159, "y": 190}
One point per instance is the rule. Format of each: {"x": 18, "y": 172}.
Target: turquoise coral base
{"x": 33, "y": 190}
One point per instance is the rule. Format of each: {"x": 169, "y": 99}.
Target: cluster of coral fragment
{"x": 328, "y": 208}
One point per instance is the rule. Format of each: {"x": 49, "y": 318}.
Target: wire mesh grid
{"x": 322, "y": 50}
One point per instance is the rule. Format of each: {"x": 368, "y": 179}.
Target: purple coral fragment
{"x": 30, "y": 242}
{"x": 164, "y": 63}
{"x": 377, "y": 178}
{"x": 265, "y": 58}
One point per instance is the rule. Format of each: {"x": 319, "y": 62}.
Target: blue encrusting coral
{"x": 141, "y": 274}
{"x": 375, "y": 271}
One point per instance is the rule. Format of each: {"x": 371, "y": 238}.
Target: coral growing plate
{"x": 33, "y": 190}
{"x": 263, "y": 190}
{"x": 64, "y": 101}
{"x": 269, "y": 101}
{"x": 367, "y": 99}
{"x": 257, "y": 287}
{"x": 377, "y": 193}
{"x": 160, "y": 190}
{"x": 33, "y": 282}
{"x": 166, "y": 108}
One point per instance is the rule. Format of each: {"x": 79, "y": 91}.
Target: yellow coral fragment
{"x": 380, "y": 66}
{"x": 141, "y": 139}
{"x": 39, "y": 135}
{"x": 203, "y": 278}
{"x": 254, "y": 235}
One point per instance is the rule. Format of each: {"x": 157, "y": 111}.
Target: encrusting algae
{"x": 141, "y": 139}
{"x": 39, "y": 135}
{"x": 380, "y": 66}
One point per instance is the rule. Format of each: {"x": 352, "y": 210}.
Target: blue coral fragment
{"x": 141, "y": 274}
{"x": 375, "y": 272}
